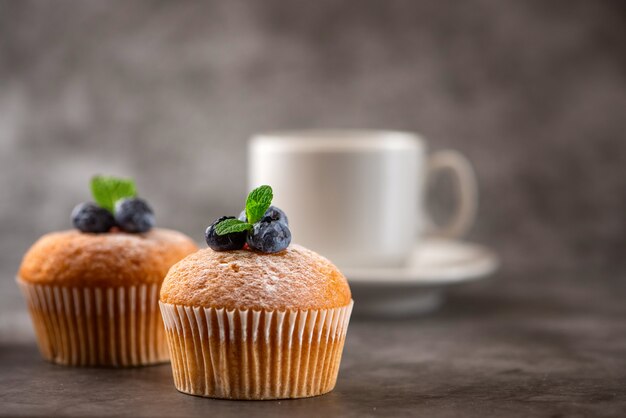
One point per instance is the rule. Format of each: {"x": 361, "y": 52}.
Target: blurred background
{"x": 533, "y": 92}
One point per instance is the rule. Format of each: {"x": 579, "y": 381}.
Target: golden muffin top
{"x": 73, "y": 258}
{"x": 296, "y": 278}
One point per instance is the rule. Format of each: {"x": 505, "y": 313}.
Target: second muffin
{"x": 92, "y": 293}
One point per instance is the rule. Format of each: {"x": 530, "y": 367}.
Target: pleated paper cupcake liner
{"x": 114, "y": 326}
{"x": 248, "y": 354}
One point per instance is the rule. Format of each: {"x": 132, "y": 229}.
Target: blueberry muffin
{"x": 254, "y": 317}
{"x": 92, "y": 292}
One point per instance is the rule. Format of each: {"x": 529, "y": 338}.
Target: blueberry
{"x": 276, "y": 214}
{"x": 269, "y": 236}
{"x": 134, "y": 215}
{"x": 234, "y": 241}
{"x": 89, "y": 217}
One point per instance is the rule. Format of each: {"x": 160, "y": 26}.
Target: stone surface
{"x": 505, "y": 347}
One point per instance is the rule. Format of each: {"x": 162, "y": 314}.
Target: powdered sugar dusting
{"x": 296, "y": 278}
{"x": 73, "y": 258}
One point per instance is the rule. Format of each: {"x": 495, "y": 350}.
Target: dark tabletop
{"x": 511, "y": 346}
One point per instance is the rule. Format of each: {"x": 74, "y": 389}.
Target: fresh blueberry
{"x": 134, "y": 215}
{"x": 276, "y": 214}
{"x": 269, "y": 236}
{"x": 233, "y": 241}
{"x": 89, "y": 217}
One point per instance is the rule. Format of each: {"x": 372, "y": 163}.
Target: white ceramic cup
{"x": 357, "y": 197}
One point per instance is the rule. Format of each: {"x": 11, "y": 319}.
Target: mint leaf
{"x": 107, "y": 190}
{"x": 257, "y": 203}
{"x": 228, "y": 226}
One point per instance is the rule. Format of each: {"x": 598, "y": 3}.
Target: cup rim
{"x": 337, "y": 140}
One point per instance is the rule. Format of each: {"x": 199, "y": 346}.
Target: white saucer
{"x": 418, "y": 287}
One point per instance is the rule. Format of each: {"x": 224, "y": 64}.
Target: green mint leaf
{"x": 107, "y": 190}
{"x": 257, "y": 203}
{"x": 228, "y": 226}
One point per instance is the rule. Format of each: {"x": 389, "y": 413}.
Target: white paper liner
{"x": 114, "y": 326}
{"x": 247, "y": 354}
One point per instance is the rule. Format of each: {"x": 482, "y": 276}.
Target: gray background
{"x": 533, "y": 92}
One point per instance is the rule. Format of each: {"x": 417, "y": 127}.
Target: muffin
{"x": 92, "y": 293}
{"x": 249, "y": 324}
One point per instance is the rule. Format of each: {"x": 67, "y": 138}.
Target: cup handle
{"x": 466, "y": 190}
